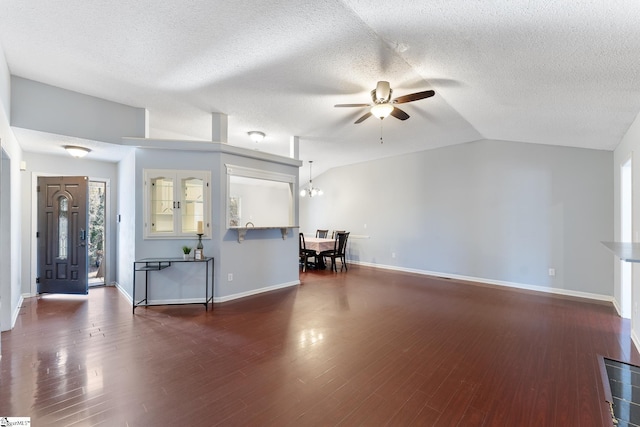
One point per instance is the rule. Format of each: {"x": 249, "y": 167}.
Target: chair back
{"x": 301, "y": 244}
{"x": 322, "y": 233}
{"x": 341, "y": 242}
{"x": 334, "y": 234}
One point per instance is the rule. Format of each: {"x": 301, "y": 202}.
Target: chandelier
{"x": 310, "y": 191}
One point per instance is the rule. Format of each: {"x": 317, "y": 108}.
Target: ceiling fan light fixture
{"x": 382, "y": 110}
{"x": 77, "y": 151}
{"x": 384, "y": 106}
{"x": 256, "y": 136}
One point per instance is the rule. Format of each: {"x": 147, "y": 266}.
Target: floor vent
{"x": 622, "y": 392}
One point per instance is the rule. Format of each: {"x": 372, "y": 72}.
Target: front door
{"x": 62, "y": 235}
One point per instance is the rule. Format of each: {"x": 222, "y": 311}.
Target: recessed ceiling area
{"x": 547, "y": 72}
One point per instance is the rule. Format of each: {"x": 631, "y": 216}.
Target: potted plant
{"x": 186, "y": 250}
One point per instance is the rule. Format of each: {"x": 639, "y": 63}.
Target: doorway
{"x": 626, "y": 235}
{"x": 96, "y": 226}
{"x": 62, "y": 235}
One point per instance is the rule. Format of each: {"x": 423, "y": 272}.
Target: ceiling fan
{"x": 384, "y": 106}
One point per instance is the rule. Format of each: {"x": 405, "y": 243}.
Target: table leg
{"x": 320, "y": 261}
{"x": 134, "y": 288}
{"x": 206, "y": 286}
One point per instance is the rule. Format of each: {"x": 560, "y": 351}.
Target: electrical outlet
{"x": 393, "y": 254}
{"x": 552, "y": 272}
{"x": 230, "y": 277}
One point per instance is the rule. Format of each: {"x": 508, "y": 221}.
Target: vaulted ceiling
{"x": 549, "y": 72}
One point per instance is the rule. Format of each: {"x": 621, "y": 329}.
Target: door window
{"x": 63, "y": 227}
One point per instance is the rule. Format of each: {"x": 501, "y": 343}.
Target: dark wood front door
{"x": 62, "y": 235}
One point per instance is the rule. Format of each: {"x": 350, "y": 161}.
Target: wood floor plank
{"x": 413, "y": 408}
{"x": 363, "y": 347}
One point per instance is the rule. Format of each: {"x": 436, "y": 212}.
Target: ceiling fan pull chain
{"x": 381, "y": 141}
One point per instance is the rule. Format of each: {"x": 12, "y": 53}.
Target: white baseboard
{"x": 636, "y": 341}
{"x": 123, "y": 292}
{"x": 256, "y": 291}
{"x": 16, "y": 312}
{"x": 524, "y": 286}
{"x": 215, "y": 299}
{"x": 159, "y": 302}
{"x": 617, "y": 307}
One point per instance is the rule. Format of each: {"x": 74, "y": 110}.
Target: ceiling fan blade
{"x": 413, "y": 97}
{"x": 351, "y": 105}
{"x": 363, "y": 118}
{"x": 399, "y": 114}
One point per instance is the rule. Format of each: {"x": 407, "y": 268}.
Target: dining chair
{"x": 334, "y": 234}
{"x": 338, "y": 251}
{"x": 305, "y": 254}
{"x": 322, "y": 233}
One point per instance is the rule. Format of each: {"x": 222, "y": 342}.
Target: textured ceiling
{"x": 549, "y": 72}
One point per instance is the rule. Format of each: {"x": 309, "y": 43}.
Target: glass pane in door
{"x": 192, "y": 208}
{"x": 162, "y": 205}
{"x": 63, "y": 227}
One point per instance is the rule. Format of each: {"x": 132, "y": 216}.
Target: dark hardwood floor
{"x": 364, "y": 347}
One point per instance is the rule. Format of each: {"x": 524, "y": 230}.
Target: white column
{"x": 294, "y": 147}
{"x": 146, "y": 123}
{"x": 219, "y": 127}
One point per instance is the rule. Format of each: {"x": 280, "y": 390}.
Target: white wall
{"x": 126, "y": 222}
{"x": 264, "y": 204}
{"x": 495, "y": 211}
{"x": 262, "y": 262}
{"x": 629, "y": 147}
{"x": 10, "y": 280}
{"x": 51, "y": 109}
{"x": 42, "y": 107}
{"x": 6, "y": 315}
{"x": 48, "y": 165}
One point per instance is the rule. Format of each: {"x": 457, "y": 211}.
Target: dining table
{"x": 319, "y": 244}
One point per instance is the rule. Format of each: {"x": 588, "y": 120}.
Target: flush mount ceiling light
{"x": 310, "y": 191}
{"x": 77, "y": 151}
{"x": 256, "y": 136}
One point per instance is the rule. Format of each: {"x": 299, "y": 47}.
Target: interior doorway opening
{"x": 97, "y": 241}
{"x": 626, "y": 235}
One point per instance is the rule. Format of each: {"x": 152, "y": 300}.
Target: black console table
{"x": 157, "y": 264}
